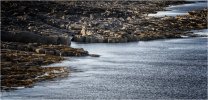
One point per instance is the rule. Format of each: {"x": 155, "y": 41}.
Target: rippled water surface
{"x": 175, "y": 68}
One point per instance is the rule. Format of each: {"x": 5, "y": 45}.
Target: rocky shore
{"x": 108, "y": 21}
{"x": 21, "y": 63}
{"x": 22, "y": 69}
{"x": 40, "y": 33}
{"x": 140, "y": 28}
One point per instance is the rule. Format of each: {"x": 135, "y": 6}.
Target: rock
{"x": 83, "y": 31}
{"x": 66, "y": 40}
{"x": 94, "y": 55}
{"x": 38, "y": 61}
{"x": 49, "y": 52}
{"x": 27, "y": 70}
{"x": 100, "y": 39}
{"x": 111, "y": 40}
{"x": 76, "y": 27}
{"x": 57, "y": 52}
{"x": 79, "y": 38}
{"x": 50, "y": 22}
{"x": 40, "y": 50}
{"x": 30, "y": 37}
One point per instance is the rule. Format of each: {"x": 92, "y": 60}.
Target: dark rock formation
{"x": 56, "y": 50}
{"x": 23, "y": 22}
{"x": 50, "y": 22}
{"x": 21, "y": 63}
{"x": 20, "y": 68}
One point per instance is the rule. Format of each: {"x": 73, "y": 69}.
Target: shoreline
{"x": 160, "y": 28}
{"x": 21, "y": 64}
{"x": 46, "y": 35}
{"x": 93, "y": 24}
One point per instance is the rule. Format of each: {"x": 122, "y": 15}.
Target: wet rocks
{"x": 20, "y": 68}
{"x": 199, "y": 13}
{"x": 56, "y": 50}
{"x": 21, "y": 63}
{"x": 40, "y": 50}
{"x": 62, "y": 50}
{"x": 29, "y": 76}
{"x": 94, "y": 55}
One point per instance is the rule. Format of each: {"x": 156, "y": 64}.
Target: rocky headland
{"x": 34, "y": 33}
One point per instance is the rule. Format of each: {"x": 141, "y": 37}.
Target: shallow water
{"x": 201, "y": 32}
{"x": 180, "y": 9}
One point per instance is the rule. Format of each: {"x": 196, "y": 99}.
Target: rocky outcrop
{"x": 23, "y": 22}
{"x": 31, "y": 37}
{"x": 109, "y": 22}
{"x": 56, "y": 50}
{"x": 107, "y": 38}
{"x": 61, "y": 50}
{"x": 22, "y": 69}
{"x": 21, "y": 63}
{"x": 136, "y": 28}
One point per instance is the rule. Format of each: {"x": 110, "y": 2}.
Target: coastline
{"x": 96, "y": 24}
{"x": 21, "y": 64}
{"x": 16, "y": 48}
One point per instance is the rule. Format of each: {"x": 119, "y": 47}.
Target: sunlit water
{"x": 180, "y": 9}
{"x": 172, "y": 68}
